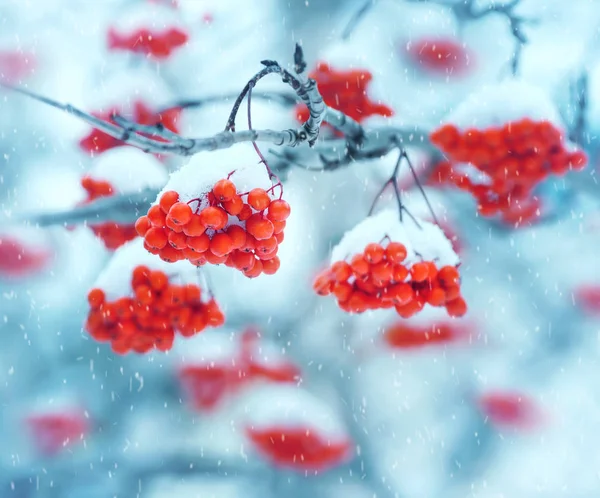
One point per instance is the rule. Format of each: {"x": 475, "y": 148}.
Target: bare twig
{"x": 579, "y": 91}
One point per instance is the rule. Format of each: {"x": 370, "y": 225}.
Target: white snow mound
{"x": 129, "y": 170}
{"x": 496, "y": 105}
{"x": 115, "y": 279}
{"x": 423, "y": 242}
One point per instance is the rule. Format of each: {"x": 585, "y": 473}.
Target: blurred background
{"x": 502, "y": 403}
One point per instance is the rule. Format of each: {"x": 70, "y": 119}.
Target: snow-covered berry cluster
{"x": 512, "y": 145}
{"x": 140, "y": 307}
{"x": 226, "y": 363}
{"x": 346, "y": 91}
{"x": 383, "y": 263}
{"x": 219, "y": 223}
{"x": 120, "y": 171}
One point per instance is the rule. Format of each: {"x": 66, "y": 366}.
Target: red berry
{"x": 233, "y": 206}
{"x": 142, "y": 225}
{"x": 156, "y": 216}
{"x": 199, "y": 244}
{"x": 258, "y": 199}
{"x": 195, "y": 227}
{"x": 221, "y": 244}
{"x": 279, "y": 210}
{"x": 374, "y": 253}
{"x": 167, "y": 200}
{"x": 259, "y": 227}
{"x": 270, "y": 266}
{"x": 224, "y": 190}
{"x": 395, "y": 252}
{"x": 214, "y": 217}
{"x": 181, "y": 213}
{"x": 96, "y": 298}
{"x": 156, "y": 238}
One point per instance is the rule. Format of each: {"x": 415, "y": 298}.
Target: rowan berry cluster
{"x": 380, "y": 278}
{"x": 158, "y": 45}
{"x": 242, "y": 230}
{"x": 345, "y": 91}
{"x": 209, "y": 381}
{"x": 151, "y": 316}
{"x": 98, "y": 142}
{"x": 514, "y": 158}
{"x": 112, "y": 234}
{"x": 439, "y": 55}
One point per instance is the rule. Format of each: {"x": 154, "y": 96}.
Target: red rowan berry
{"x": 167, "y": 200}
{"x": 213, "y": 259}
{"x": 143, "y": 294}
{"x": 259, "y": 227}
{"x": 243, "y": 261}
{"x": 180, "y": 213}
{"x": 221, "y": 244}
{"x": 448, "y": 276}
{"x": 142, "y": 225}
{"x": 180, "y": 317}
{"x": 270, "y": 266}
{"x": 342, "y": 291}
{"x": 234, "y": 206}
{"x": 367, "y": 286}
{"x": 374, "y": 253}
{"x": 224, "y": 190}
{"x": 280, "y": 237}
{"x": 199, "y": 244}
{"x": 158, "y": 280}
{"x": 419, "y": 272}
{"x": 156, "y": 238}
{"x": 140, "y": 275}
{"x": 437, "y": 297}
{"x": 341, "y": 271}
{"x": 279, "y": 210}
{"x": 171, "y": 224}
{"x": 214, "y": 217}
{"x": 249, "y": 245}
{"x": 359, "y": 265}
{"x": 156, "y": 216}
{"x": 237, "y": 234}
{"x": 457, "y": 307}
{"x": 323, "y": 283}
{"x": 245, "y": 212}
{"x": 399, "y": 273}
{"x": 256, "y": 270}
{"x": 258, "y": 199}
{"x": 395, "y": 252}
{"x": 192, "y": 293}
{"x": 150, "y": 249}
{"x": 278, "y": 226}
{"x": 266, "y": 246}
{"x": 194, "y": 227}
{"x": 214, "y": 315}
{"x": 96, "y": 298}
{"x": 170, "y": 254}
{"x": 267, "y": 255}
{"x": 177, "y": 240}
{"x": 382, "y": 271}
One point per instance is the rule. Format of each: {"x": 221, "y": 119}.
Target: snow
{"x": 213, "y": 347}
{"x": 423, "y": 242}
{"x": 115, "y": 279}
{"x": 498, "y": 104}
{"x": 155, "y": 17}
{"x": 129, "y": 170}
{"x": 292, "y": 407}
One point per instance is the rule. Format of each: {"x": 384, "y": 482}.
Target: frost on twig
{"x": 118, "y": 208}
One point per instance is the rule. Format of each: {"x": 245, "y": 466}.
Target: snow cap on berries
{"x": 427, "y": 243}
{"x": 129, "y": 170}
{"x": 294, "y": 429}
{"x": 504, "y": 102}
{"x": 115, "y": 279}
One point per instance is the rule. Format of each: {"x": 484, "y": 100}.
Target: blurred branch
{"x": 579, "y": 101}
{"x": 118, "y": 208}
